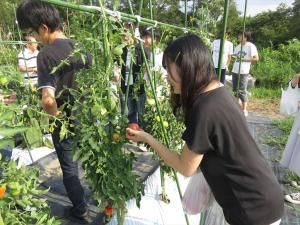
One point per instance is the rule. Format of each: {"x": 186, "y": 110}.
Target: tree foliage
{"x": 272, "y": 28}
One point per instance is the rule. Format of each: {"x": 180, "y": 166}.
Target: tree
{"x": 295, "y": 21}
{"x": 269, "y": 28}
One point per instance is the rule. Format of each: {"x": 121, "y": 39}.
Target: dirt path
{"x": 265, "y": 107}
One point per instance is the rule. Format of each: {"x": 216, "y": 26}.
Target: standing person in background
{"x": 245, "y": 54}
{"x": 226, "y": 56}
{"x": 137, "y": 95}
{"x": 157, "y": 67}
{"x": 27, "y": 60}
{"x": 43, "y": 21}
{"x": 291, "y": 154}
{"x": 217, "y": 138}
{"x": 122, "y": 67}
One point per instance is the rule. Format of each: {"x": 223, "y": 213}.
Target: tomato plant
{"x": 22, "y": 203}
{"x": 153, "y": 121}
{"x": 100, "y": 127}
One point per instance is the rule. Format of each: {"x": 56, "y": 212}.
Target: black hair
{"x": 193, "y": 60}
{"x": 147, "y": 32}
{"x": 228, "y": 32}
{"x": 34, "y": 13}
{"x": 128, "y": 25}
{"x": 247, "y": 34}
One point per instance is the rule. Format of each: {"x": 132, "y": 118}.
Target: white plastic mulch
{"x": 155, "y": 212}
{"x": 36, "y": 153}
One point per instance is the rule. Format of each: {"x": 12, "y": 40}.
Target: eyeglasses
{"x": 30, "y": 33}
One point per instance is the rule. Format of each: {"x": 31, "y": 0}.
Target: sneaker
{"x": 83, "y": 218}
{"x": 245, "y": 112}
{"x": 293, "y": 198}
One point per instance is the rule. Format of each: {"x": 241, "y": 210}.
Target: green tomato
{"x": 15, "y": 192}
{"x": 14, "y": 185}
{"x": 165, "y": 124}
{"x": 118, "y": 50}
{"x": 3, "y": 81}
{"x": 157, "y": 118}
{"x": 151, "y": 101}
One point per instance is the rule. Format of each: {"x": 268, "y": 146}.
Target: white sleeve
{"x": 21, "y": 59}
{"x": 254, "y": 51}
{"x": 213, "y": 44}
{"x": 230, "y": 48}
{"x": 236, "y": 50}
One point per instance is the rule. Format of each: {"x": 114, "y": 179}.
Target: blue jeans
{"x": 136, "y": 106}
{"x": 6, "y": 156}
{"x": 70, "y": 172}
{"x": 6, "y": 153}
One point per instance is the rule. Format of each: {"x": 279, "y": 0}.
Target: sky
{"x": 257, "y": 6}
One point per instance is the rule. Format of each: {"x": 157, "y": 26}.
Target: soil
{"x": 265, "y": 107}
{"x": 52, "y": 169}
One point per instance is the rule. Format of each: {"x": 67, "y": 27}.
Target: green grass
{"x": 278, "y": 142}
{"x": 285, "y": 125}
{"x": 265, "y": 93}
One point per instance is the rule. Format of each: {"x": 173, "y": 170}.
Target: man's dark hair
{"x": 147, "y": 32}
{"x": 34, "y": 13}
{"x": 228, "y": 32}
{"x": 247, "y": 34}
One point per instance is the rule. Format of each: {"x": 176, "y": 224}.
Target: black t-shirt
{"x": 51, "y": 57}
{"x": 240, "y": 178}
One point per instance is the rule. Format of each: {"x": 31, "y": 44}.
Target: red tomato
{"x": 134, "y": 126}
{"x": 2, "y": 191}
{"x": 108, "y": 211}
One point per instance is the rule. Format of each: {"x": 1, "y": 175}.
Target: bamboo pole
{"x": 226, "y": 6}
{"x": 240, "y": 64}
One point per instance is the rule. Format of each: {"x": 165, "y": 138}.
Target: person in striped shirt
{"x": 27, "y": 60}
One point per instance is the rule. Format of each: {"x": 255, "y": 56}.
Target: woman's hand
{"x": 136, "y": 135}
{"x": 295, "y": 80}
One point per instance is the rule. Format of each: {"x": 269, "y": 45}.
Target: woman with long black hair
{"x": 216, "y": 138}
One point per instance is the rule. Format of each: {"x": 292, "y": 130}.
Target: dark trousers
{"x": 70, "y": 172}
{"x": 223, "y": 74}
{"x": 239, "y": 86}
{"x": 136, "y": 105}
